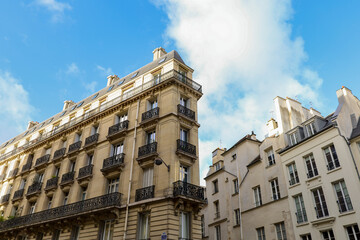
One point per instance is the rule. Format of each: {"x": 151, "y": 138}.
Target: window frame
{"x": 332, "y": 162}
{"x": 345, "y": 196}
{"x": 275, "y": 189}
{"x": 322, "y": 203}
{"x": 309, "y": 161}
{"x": 293, "y": 174}
{"x": 257, "y": 196}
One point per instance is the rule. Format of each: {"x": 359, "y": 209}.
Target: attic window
{"x": 25, "y": 134}
{"x": 42, "y": 124}
{"x": 95, "y": 96}
{"x": 63, "y": 113}
{"x": 110, "y": 88}
{"x": 12, "y": 140}
{"x": 121, "y": 82}
{"x": 162, "y": 60}
{"x": 51, "y": 120}
{"x": 32, "y": 130}
{"x": 73, "y": 107}
{"x": 6, "y": 144}
{"x": 134, "y": 75}
{"x": 80, "y": 104}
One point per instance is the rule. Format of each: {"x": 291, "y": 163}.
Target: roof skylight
{"x": 134, "y": 75}
{"x": 121, "y": 82}
{"x": 162, "y": 60}
{"x": 95, "y": 96}
{"x": 80, "y": 104}
{"x": 63, "y": 113}
{"x": 111, "y": 87}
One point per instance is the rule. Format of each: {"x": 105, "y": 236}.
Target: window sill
{"x": 234, "y": 194}
{"x": 237, "y": 225}
{"x": 313, "y": 178}
{"x": 215, "y": 193}
{"x": 269, "y": 166}
{"x": 347, "y": 213}
{"x": 294, "y": 185}
{"x": 334, "y": 170}
{"x": 302, "y": 224}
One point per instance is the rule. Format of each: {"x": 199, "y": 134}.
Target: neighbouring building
{"x": 120, "y": 164}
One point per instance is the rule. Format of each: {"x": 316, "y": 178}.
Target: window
{"x": 320, "y": 203}
{"x": 157, "y": 77}
{"x": 116, "y": 149}
{"x": 280, "y": 231}
{"x": 66, "y": 198}
{"x": 300, "y": 209}
{"x": 311, "y": 166}
{"x": 49, "y": 202}
{"x": 293, "y": 138}
{"x": 217, "y": 209}
{"x": 234, "y": 156}
{"x": 306, "y": 237}
{"x": 217, "y": 232}
{"x": 184, "y": 174}
{"x": 32, "y": 208}
{"x": 184, "y": 102}
{"x": 22, "y": 183}
{"x": 75, "y": 231}
{"x": 64, "y": 143}
{"x": 183, "y": 135}
{"x": 83, "y": 193}
{"x": 328, "y": 235}
{"x": 108, "y": 230}
{"x": 121, "y": 118}
{"x": 217, "y": 166}
{"x": 260, "y": 233}
{"x": 39, "y": 178}
{"x": 95, "y": 96}
{"x": 182, "y": 75}
{"x": 215, "y": 186}
{"x": 56, "y": 235}
{"x": 343, "y": 198}
{"x": 72, "y": 166}
{"x": 113, "y": 185}
{"x": 214, "y": 153}
{"x": 134, "y": 75}
{"x": 48, "y": 151}
{"x": 310, "y": 129}
{"x": 150, "y": 137}
{"x": 144, "y": 226}
{"x": 202, "y": 226}
{"x": 236, "y": 186}
{"x": 148, "y": 177}
{"x": 270, "y": 156}
{"x": 257, "y": 196}
{"x": 331, "y": 157}
{"x": 77, "y": 137}
{"x": 152, "y": 104}
{"x": 275, "y": 189}
{"x": 109, "y": 89}
{"x": 162, "y": 60}
{"x": 293, "y": 174}
{"x": 14, "y": 211}
{"x": 237, "y": 216}
{"x": 121, "y": 82}
{"x": 353, "y": 232}
{"x": 89, "y": 158}
{"x": 57, "y": 171}
{"x": 94, "y": 130}
{"x": 184, "y": 231}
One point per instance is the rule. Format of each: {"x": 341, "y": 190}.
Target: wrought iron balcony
{"x": 144, "y": 193}
{"x": 186, "y": 111}
{"x": 67, "y": 178}
{"x": 113, "y": 162}
{"x": 151, "y": 114}
{"x": 85, "y": 171}
{"x": 186, "y": 148}
{"x": 26, "y": 167}
{"x": 18, "y": 194}
{"x": 59, "y": 153}
{"x": 74, "y": 147}
{"x": 91, "y": 140}
{"x": 73, "y": 210}
{"x": 118, "y": 128}
{"x": 34, "y": 188}
{"x": 51, "y": 183}
{"x": 42, "y": 160}
{"x": 188, "y": 190}
{"x": 13, "y": 172}
{"x": 147, "y": 149}
{"x": 5, "y": 198}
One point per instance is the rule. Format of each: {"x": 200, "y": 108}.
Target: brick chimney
{"x": 158, "y": 53}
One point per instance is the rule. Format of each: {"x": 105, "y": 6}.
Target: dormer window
{"x": 310, "y": 129}
{"x": 293, "y": 138}
{"x": 217, "y": 166}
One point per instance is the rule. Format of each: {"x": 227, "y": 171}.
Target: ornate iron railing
{"x": 42, "y": 160}
{"x": 70, "y": 210}
{"x": 59, "y": 153}
{"x": 26, "y": 167}
{"x": 51, "y": 183}
{"x": 147, "y": 149}
{"x": 113, "y": 161}
{"x": 75, "y": 146}
{"x": 85, "y": 171}
{"x": 186, "y": 111}
{"x": 186, "y": 147}
{"x": 150, "y": 114}
{"x": 13, "y": 172}
{"x": 188, "y": 190}
{"x": 34, "y": 188}
{"x": 92, "y": 139}
{"x": 145, "y": 193}
{"x": 5, "y": 198}
{"x": 67, "y": 177}
{"x": 18, "y": 194}
{"x": 119, "y": 127}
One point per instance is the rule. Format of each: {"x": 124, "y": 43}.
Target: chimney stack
{"x": 67, "y": 104}
{"x": 31, "y": 124}
{"x": 158, "y": 53}
{"x": 111, "y": 79}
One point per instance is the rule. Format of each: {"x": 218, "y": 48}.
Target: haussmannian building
{"x": 120, "y": 164}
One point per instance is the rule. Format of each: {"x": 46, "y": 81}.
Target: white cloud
{"x": 55, "y": 7}
{"x": 90, "y": 86}
{"x": 244, "y": 56}
{"x": 104, "y": 71}
{"x": 15, "y": 107}
{"x": 72, "y": 69}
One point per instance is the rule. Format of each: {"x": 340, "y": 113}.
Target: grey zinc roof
{"x": 170, "y": 55}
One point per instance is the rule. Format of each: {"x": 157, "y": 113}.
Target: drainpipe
{"x": 238, "y": 177}
{"x": 131, "y": 170}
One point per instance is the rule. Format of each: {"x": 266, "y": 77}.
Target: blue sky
{"x": 55, "y": 50}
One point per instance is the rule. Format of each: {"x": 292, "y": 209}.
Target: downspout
{"x": 238, "y": 176}
{"x": 131, "y": 170}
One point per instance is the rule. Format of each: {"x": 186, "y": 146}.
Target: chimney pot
{"x": 158, "y": 53}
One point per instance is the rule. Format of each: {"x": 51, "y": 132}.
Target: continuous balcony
{"x": 113, "y": 165}
{"x": 188, "y": 190}
{"x": 85, "y": 174}
{"x": 58, "y": 155}
{"x": 118, "y": 130}
{"x": 34, "y": 190}
{"x": 145, "y": 193}
{"x": 42, "y": 161}
{"x": 5, "y": 199}
{"x": 150, "y": 116}
{"x": 91, "y": 141}
{"x": 51, "y": 184}
{"x": 184, "y": 111}
{"x": 18, "y": 195}
{"x": 103, "y": 204}
{"x": 147, "y": 153}
{"x": 186, "y": 149}
{"x": 74, "y": 147}
{"x": 67, "y": 180}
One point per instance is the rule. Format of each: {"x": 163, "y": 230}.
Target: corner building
{"x": 120, "y": 164}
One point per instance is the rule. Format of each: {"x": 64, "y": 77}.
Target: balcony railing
{"x": 186, "y": 147}
{"x": 59, "y": 153}
{"x": 67, "y": 177}
{"x": 119, "y": 127}
{"x": 188, "y": 190}
{"x": 92, "y": 139}
{"x": 153, "y": 113}
{"x": 66, "y": 211}
{"x": 144, "y": 193}
{"x": 42, "y": 160}
{"x": 186, "y": 111}
{"x": 85, "y": 171}
{"x": 34, "y": 188}
{"x": 147, "y": 149}
{"x": 13, "y": 172}
{"x": 51, "y": 183}
{"x": 165, "y": 77}
{"x": 74, "y": 147}
{"x": 5, "y": 198}
{"x": 114, "y": 161}
{"x": 26, "y": 167}
{"x": 18, "y": 194}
